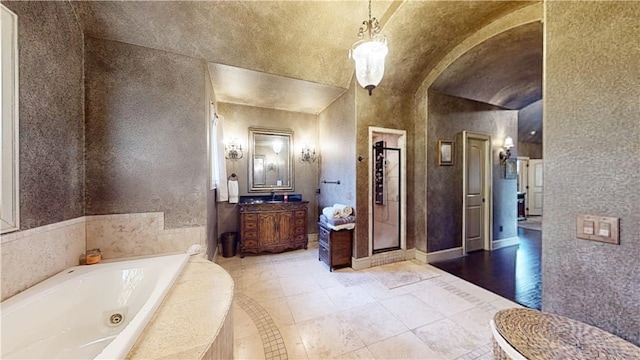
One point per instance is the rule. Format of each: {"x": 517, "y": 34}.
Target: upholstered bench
{"x": 530, "y": 334}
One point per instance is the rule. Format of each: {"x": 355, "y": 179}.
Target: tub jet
{"x": 116, "y": 319}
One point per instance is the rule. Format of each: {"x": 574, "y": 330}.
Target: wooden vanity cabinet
{"x": 273, "y": 227}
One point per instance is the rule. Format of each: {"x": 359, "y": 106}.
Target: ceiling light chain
{"x": 372, "y": 26}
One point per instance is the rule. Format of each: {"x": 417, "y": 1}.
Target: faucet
{"x": 273, "y": 195}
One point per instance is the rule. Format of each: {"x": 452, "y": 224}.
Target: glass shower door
{"x": 386, "y": 198}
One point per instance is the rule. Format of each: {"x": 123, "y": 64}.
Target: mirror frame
{"x": 253, "y": 131}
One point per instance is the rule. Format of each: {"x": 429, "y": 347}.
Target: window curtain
{"x": 218, "y": 164}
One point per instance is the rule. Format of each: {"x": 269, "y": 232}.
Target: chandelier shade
{"x": 369, "y": 57}
{"x": 369, "y": 54}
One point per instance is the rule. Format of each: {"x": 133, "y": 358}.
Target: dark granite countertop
{"x": 269, "y": 199}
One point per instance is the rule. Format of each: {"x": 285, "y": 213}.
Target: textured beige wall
{"x": 51, "y": 100}
{"x": 237, "y": 120}
{"x": 146, "y": 133}
{"x": 417, "y": 173}
{"x": 388, "y": 109}
{"x": 592, "y": 162}
{"x": 338, "y": 161}
{"x": 448, "y": 117}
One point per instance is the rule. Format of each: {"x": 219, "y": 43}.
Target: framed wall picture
{"x": 510, "y": 169}
{"x": 445, "y": 152}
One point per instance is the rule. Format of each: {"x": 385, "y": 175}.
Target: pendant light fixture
{"x": 369, "y": 53}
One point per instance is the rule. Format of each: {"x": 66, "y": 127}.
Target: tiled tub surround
{"x": 195, "y": 321}
{"x": 33, "y": 255}
{"x": 126, "y": 235}
{"x": 289, "y": 306}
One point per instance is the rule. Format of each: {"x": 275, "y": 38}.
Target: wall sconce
{"x": 506, "y": 153}
{"x": 233, "y": 150}
{"x": 277, "y": 147}
{"x": 308, "y": 154}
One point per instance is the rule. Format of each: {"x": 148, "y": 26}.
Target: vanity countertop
{"x": 269, "y": 199}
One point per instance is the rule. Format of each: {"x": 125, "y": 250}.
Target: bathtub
{"x": 87, "y": 312}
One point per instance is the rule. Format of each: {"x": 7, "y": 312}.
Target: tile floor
{"x": 289, "y": 306}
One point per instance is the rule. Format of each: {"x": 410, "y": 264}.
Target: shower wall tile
{"x": 31, "y": 256}
{"x": 126, "y": 235}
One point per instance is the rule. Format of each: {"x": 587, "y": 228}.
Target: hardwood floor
{"x": 513, "y": 272}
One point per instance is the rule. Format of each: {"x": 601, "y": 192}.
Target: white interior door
{"x": 534, "y": 193}
{"x": 475, "y": 195}
{"x": 523, "y": 178}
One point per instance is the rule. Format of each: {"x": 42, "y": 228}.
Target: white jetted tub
{"x": 87, "y": 312}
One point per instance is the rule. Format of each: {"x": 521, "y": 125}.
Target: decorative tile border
{"x": 388, "y": 257}
{"x": 272, "y": 341}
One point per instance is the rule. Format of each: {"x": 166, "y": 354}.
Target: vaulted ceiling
{"x": 295, "y": 53}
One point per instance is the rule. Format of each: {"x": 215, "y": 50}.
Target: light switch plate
{"x": 598, "y": 228}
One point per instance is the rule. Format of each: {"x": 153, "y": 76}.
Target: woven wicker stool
{"x": 530, "y": 334}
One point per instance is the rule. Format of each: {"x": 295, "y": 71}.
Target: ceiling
{"x": 530, "y": 123}
{"x": 488, "y": 72}
{"x": 293, "y": 55}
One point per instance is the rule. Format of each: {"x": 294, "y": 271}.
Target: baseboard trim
{"x": 443, "y": 255}
{"x": 361, "y": 263}
{"x": 410, "y": 254}
{"x": 421, "y": 256}
{"x": 312, "y": 237}
{"x": 499, "y": 244}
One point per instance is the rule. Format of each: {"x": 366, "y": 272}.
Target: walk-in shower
{"x": 386, "y": 193}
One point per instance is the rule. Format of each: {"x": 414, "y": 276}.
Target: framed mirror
{"x": 270, "y": 160}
